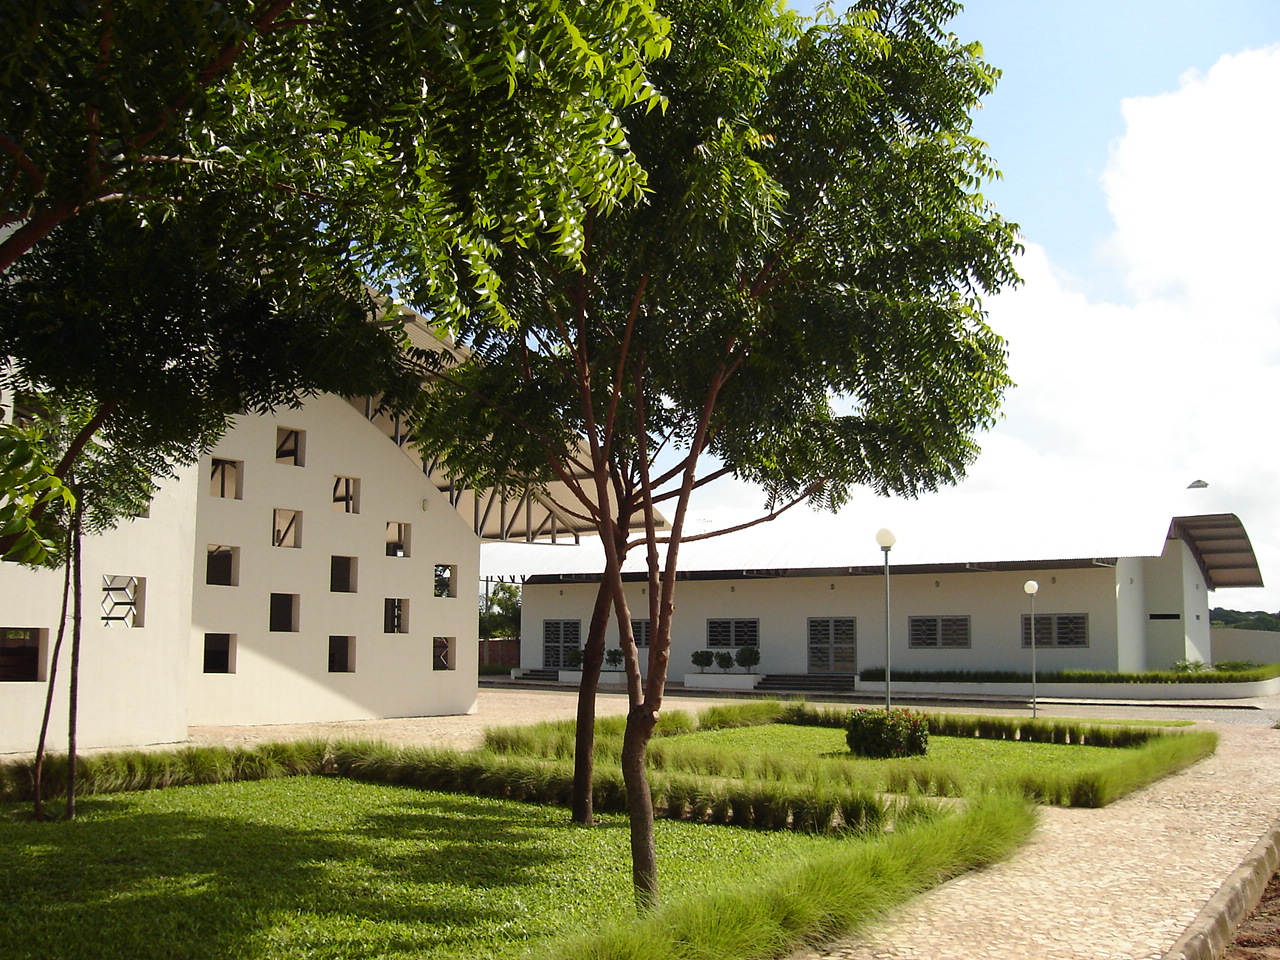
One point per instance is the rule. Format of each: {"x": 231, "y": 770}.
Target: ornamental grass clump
{"x": 881, "y": 734}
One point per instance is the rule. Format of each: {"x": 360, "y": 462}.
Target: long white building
{"x": 1097, "y": 613}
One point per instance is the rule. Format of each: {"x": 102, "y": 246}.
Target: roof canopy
{"x": 1221, "y": 547}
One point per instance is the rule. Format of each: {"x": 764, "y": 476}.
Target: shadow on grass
{"x": 131, "y": 881}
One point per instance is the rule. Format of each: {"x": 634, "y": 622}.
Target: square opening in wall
{"x": 291, "y": 446}
{"x": 219, "y": 653}
{"x": 284, "y": 613}
{"x": 444, "y": 650}
{"x": 123, "y": 600}
{"x": 226, "y": 479}
{"x": 342, "y": 654}
{"x": 21, "y": 654}
{"x": 286, "y": 528}
{"x": 222, "y": 566}
{"x": 346, "y": 494}
{"x": 446, "y": 580}
{"x": 395, "y": 615}
{"x": 342, "y": 574}
{"x": 398, "y": 539}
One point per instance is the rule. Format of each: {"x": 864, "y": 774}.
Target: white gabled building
{"x": 1096, "y": 613}
{"x": 310, "y": 568}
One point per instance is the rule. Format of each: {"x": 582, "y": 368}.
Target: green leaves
{"x": 27, "y": 481}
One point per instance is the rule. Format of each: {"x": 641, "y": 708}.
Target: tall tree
{"x": 165, "y": 329}
{"x": 420, "y": 128}
{"x": 797, "y": 304}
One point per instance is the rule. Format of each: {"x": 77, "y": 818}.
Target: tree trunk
{"x": 73, "y": 689}
{"x": 37, "y": 770}
{"x": 585, "y": 734}
{"x": 644, "y": 857}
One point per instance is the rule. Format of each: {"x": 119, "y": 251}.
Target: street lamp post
{"x": 886, "y": 540}
{"x": 1030, "y": 588}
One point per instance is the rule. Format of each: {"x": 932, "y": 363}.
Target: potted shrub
{"x": 724, "y": 660}
{"x": 703, "y": 659}
{"x": 613, "y": 658}
{"x": 747, "y": 658}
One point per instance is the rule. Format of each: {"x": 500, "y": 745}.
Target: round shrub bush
{"x": 887, "y": 733}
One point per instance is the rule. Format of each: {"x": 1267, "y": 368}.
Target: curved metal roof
{"x": 1221, "y": 547}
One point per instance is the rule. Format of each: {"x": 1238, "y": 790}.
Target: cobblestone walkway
{"x": 1121, "y": 883}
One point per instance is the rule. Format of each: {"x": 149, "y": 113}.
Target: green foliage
{"x": 1245, "y": 620}
{"x": 887, "y": 733}
{"x": 702, "y": 659}
{"x": 27, "y": 482}
{"x": 1189, "y": 666}
{"x": 422, "y": 134}
{"x": 747, "y": 658}
{"x": 724, "y": 660}
{"x": 1235, "y": 666}
{"x": 613, "y": 658}
{"x": 500, "y": 611}
{"x": 813, "y": 228}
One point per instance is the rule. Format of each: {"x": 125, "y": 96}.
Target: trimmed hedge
{"x": 1267, "y": 672}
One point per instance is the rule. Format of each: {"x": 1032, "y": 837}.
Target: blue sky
{"x": 1139, "y": 142}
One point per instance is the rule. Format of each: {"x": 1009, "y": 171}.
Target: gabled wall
{"x": 282, "y": 677}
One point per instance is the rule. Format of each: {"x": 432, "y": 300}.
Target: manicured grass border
{"x": 818, "y": 901}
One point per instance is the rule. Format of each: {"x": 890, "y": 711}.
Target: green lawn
{"x": 325, "y": 867}
{"x": 971, "y": 755}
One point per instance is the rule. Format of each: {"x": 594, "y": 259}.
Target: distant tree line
{"x": 1244, "y": 619}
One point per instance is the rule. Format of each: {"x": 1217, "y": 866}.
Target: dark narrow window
{"x": 443, "y": 650}
{"x": 395, "y": 615}
{"x": 397, "y": 539}
{"x": 640, "y": 630}
{"x": 342, "y": 654}
{"x": 20, "y": 654}
{"x": 222, "y": 566}
{"x": 342, "y": 574}
{"x": 219, "y": 653}
{"x": 284, "y": 613}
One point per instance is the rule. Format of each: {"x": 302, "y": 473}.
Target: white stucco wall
{"x": 1259, "y": 646}
{"x": 283, "y": 677}
{"x": 994, "y": 602}
{"x": 133, "y": 681}
{"x": 1131, "y": 615}
{"x": 1177, "y": 608}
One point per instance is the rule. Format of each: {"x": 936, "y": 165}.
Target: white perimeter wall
{"x": 133, "y": 681}
{"x": 994, "y": 602}
{"x": 1232, "y": 643}
{"x": 284, "y": 677}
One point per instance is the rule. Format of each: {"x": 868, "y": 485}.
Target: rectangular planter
{"x": 721, "y": 681}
